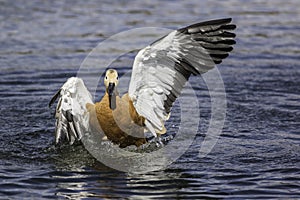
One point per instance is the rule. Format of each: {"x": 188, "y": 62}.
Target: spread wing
{"x": 161, "y": 69}
{"x": 71, "y": 115}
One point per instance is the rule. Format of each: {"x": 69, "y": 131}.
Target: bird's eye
{"x": 117, "y": 78}
{"x": 105, "y": 77}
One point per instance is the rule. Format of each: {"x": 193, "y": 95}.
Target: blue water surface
{"x": 257, "y": 155}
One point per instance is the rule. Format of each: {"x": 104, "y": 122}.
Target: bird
{"x": 159, "y": 73}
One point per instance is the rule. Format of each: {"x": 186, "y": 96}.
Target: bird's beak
{"x": 111, "y": 95}
{"x": 110, "y": 89}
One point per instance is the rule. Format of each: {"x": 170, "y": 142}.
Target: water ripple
{"x": 257, "y": 154}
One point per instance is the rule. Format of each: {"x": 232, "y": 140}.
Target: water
{"x": 257, "y": 154}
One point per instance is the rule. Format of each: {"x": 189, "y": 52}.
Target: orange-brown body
{"x": 123, "y": 126}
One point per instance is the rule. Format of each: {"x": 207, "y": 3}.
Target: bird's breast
{"x": 118, "y": 124}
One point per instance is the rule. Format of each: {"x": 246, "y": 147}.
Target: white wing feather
{"x": 72, "y": 118}
{"x": 161, "y": 69}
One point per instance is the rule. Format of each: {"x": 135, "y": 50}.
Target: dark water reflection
{"x": 257, "y": 155}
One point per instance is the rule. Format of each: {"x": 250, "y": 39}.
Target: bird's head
{"x": 111, "y": 81}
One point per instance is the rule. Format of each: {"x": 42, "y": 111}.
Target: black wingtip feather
{"x": 215, "y": 36}
{"x": 228, "y": 27}
{"x": 53, "y": 99}
{"x": 211, "y": 22}
{"x": 208, "y": 26}
{"x": 221, "y": 56}
{"x": 228, "y": 34}
{"x": 226, "y": 41}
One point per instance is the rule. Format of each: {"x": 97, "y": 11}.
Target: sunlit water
{"x": 257, "y": 155}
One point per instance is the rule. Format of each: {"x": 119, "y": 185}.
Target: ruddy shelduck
{"x": 159, "y": 73}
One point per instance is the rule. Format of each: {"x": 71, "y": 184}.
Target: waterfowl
{"x": 159, "y": 73}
